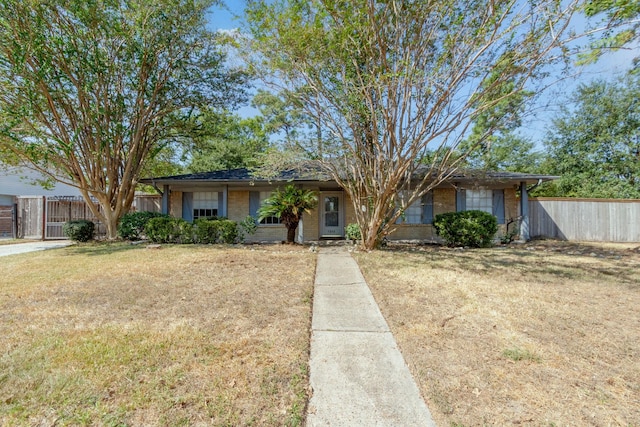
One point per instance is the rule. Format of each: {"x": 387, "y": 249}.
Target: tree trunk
{"x": 106, "y": 214}
{"x": 111, "y": 225}
{"x": 291, "y": 233}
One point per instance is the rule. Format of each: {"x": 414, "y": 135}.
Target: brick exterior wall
{"x": 175, "y": 204}
{"x": 413, "y": 232}
{"x": 349, "y": 213}
{"x": 444, "y": 200}
{"x": 311, "y": 224}
{"x": 238, "y": 205}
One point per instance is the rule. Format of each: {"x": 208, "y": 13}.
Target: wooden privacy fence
{"x": 43, "y": 217}
{"x": 7, "y": 221}
{"x": 596, "y": 220}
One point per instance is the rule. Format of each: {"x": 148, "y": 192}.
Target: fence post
{"x": 525, "y": 233}
{"x": 14, "y": 221}
{"x": 44, "y": 217}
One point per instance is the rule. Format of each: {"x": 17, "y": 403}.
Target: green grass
{"x": 517, "y": 354}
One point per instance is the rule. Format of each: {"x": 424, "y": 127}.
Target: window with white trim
{"x": 270, "y": 220}
{"x": 417, "y": 212}
{"x": 413, "y": 213}
{"x": 205, "y": 204}
{"x": 480, "y": 200}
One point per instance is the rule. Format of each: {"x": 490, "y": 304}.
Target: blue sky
{"x": 535, "y": 125}
{"x": 223, "y": 18}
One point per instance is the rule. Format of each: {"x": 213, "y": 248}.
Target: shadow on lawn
{"x": 554, "y": 258}
{"x": 97, "y": 248}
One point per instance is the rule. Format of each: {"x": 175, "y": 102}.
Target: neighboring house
{"x": 235, "y": 194}
{"x": 20, "y": 182}
{"x": 16, "y": 183}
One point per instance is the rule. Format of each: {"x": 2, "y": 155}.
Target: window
{"x": 331, "y": 211}
{"x": 482, "y": 199}
{"x": 255, "y": 201}
{"x": 419, "y": 212}
{"x": 205, "y": 204}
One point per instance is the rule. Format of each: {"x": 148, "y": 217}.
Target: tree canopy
{"x": 93, "y": 89}
{"x": 392, "y": 81}
{"x": 621, "y": 20}
{"x": 225, "y": 140}
{"x": 595, "y": 146}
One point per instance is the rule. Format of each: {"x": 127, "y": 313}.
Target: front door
{"x": 332, "y": 214}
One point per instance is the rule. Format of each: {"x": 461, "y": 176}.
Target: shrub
{"x": 79, "y": 230}
{"x": 228, "y": 231}
{"x": 469, "y": 228}
{"x": 219, "y": 230}
{"x": 247, "y": 226}
{"x": 207, "y": 231}
{"x": 166, "y": 229}
{"x": 131, "y": 226}
{"x": 184, "y": 231}
{"x": 352, "y": 232}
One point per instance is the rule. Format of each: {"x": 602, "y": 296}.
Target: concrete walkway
{"x": 20, "y": 248}
{"x": 357, "y": 374}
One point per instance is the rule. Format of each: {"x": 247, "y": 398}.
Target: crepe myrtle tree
{"x": 392, "y": 81}
{"x": 91, "y": 90}
{"x": 618, "y": 27}
{"x": 288, "y": 205}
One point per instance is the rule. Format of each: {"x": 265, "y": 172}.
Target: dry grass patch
{"x": 542, "y": 335}
{"x": 184, "y": 335}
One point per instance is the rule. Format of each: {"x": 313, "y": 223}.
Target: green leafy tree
{"x": 91, "y": 90}
{"x": 288, "y": 205}
{"x": 621, "y": 19}
{"x": 281, "y": 115}
{"x": 226, "y": 141}
{"x": 505, "y": 152}
{"x": 492, "y": 144}
{"x": 595, "y": 147}
{"x": 390, "y": 81}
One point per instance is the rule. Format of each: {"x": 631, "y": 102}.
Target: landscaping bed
{"x": 543, "y": 334}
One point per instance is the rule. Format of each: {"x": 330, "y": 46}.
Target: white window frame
{"x": 413, "y": 213}
{"x": 205, "y": 204}
{"x": 270, "y": 220}
{"x": 480, "y": 199}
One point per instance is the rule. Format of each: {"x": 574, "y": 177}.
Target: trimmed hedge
{"x": 132, "y": 224}
{"x": 474, "y": 229}
{"x": 79, "y": 230}
{"x": 166, "y": 229}
{"x": 216, "y": 231}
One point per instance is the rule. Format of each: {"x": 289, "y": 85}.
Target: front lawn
{"x": 183, "y": 335}
{"x": 542, "y": 335}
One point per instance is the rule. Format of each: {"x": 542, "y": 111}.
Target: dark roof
{"x": 245, "y": 175}
{"x": 236, "y": 175}
{"x": 478, "y": 175}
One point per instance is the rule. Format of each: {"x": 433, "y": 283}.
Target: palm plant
{"x": 288, "y": 205}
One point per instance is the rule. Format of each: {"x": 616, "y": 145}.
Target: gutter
{"x": 533, "y": 187}
{"x": 155, "y": 186}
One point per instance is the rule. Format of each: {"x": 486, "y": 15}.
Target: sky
{"x": 535, "y": 125}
